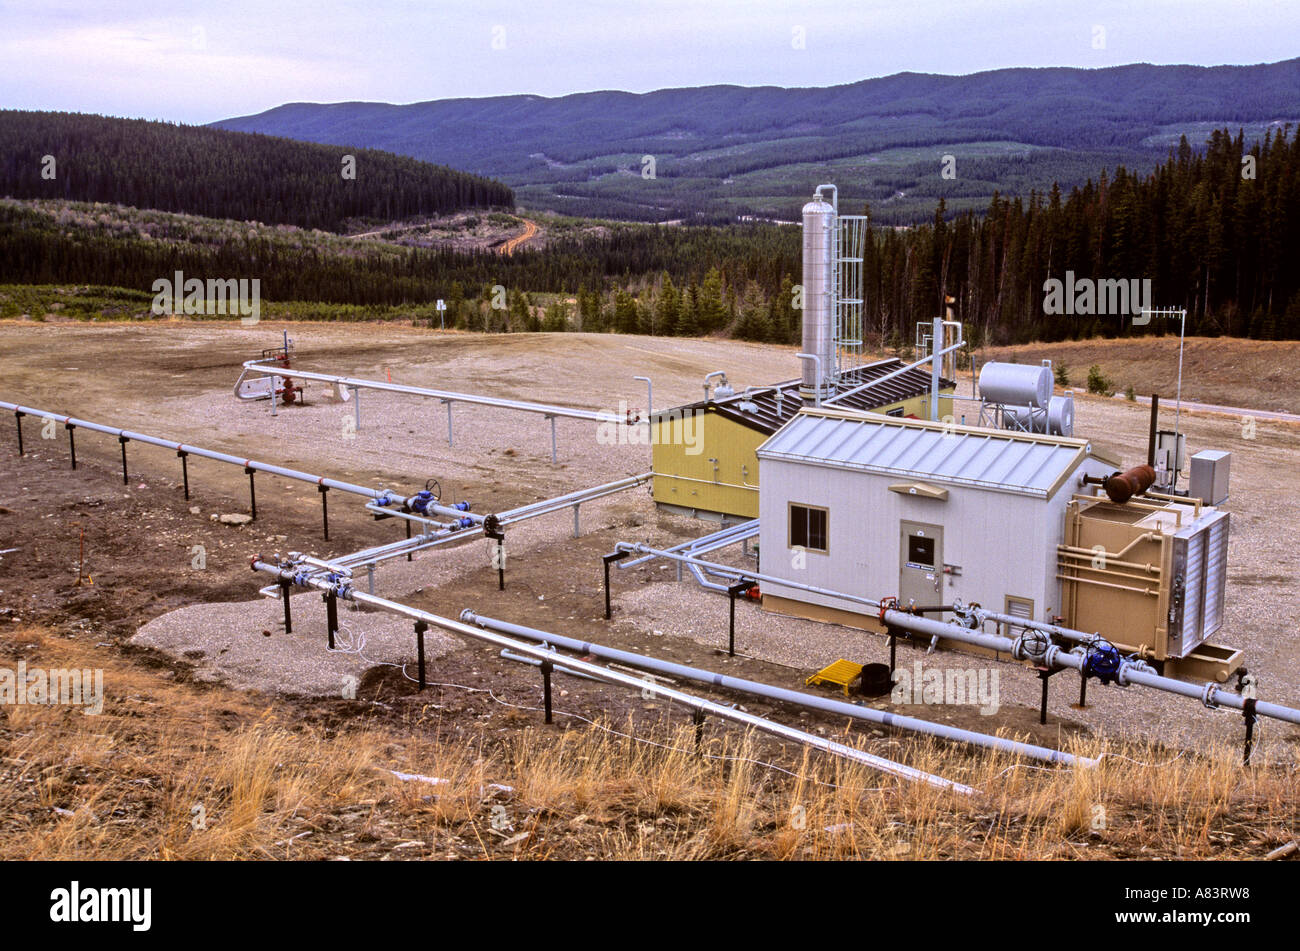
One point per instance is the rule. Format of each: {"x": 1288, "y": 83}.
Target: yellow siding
{"x": 687, "y": 476}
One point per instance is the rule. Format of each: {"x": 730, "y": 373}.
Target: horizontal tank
{"x": 1016, "y": 384}
{"x": 1060, "y": 415}
{"x": 1024, "y": 419}
{"x": 1056, "y": 420}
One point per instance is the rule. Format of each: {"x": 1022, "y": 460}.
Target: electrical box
{"x": 1171, "y": 455}
{"x": 1209, "y": 478}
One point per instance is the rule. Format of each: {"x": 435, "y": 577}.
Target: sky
{"x": 197, "y": 61}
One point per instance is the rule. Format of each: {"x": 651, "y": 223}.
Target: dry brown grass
{"x": 273, "y": 783}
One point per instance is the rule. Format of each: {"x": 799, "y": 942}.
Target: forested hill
{"x": 720, "y": 151}
{"x": 221, "y": 174}
{"x": 1216, "y": 232}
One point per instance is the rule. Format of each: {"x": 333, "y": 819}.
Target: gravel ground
{"x": 243, "y": 644}
{"x": 227, "y": 642}
{"x": 183, "y": 375}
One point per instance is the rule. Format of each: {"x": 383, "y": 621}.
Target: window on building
{"x": 808, "y": 527}
{"x": 894, "y": 412}
{"x": 920, "y": 551}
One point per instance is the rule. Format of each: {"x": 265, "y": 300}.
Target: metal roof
{"x": 769, "y": 413}
{"x": 1001, "y": 460}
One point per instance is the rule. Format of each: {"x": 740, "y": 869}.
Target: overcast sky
{"x": 201, "y": 60}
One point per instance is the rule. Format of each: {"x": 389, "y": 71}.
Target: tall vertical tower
{"x": 832, "y": 293}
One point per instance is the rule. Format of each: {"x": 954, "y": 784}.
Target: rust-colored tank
{"x": 1122, "y": 486}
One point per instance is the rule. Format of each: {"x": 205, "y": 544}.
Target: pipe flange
{"x": 1209, "y": 694}
{"x": 1140, "y": 665}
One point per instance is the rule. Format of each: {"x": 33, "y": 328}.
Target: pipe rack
{"x": 183, "y": 450}
{"x": 1037, "y": 650}
{"x": 313, "y": 579}
{"x": 771, "y": 692}
{"x": 355, "y": 383}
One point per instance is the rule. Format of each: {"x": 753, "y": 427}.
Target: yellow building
{"x": 704, "y": 453}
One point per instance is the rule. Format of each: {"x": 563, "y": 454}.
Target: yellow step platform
{"x": 842, "y": 673}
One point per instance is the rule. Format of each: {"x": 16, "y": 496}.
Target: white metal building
{"x": 877, "y": 506}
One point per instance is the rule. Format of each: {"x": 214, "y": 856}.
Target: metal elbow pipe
{"x": 817, "y": 369}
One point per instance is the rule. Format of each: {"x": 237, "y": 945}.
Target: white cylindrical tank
{"x": 1012, "y": 383}
{"x": 1024, "y": 419}
{"x": 818, "y": 288}
{"x": 1060, "y": 415}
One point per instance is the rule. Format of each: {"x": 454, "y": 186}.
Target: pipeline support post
{"x": 123, "y": 440}
{"x": 252, "y": 491}
{"x": 324, "y": 510}
{"x": 185, "y": 471}
{"x": 420, "y": 628}
{"x": 1083, "y": 687}
{"x": 284, "y": 595}
{"x": 450, "y": 443}
{"x": 408, "y": 535}
{"x": 698, "y": 719}
{"x": 577, "y": 530}
{"x": 1044, "y": 674}
{"x": 740, "y": 587}
{"x": 72, "y": 443}
{"x": 547, "y": 667}
{"x": 1249, "y": 715}
{"x": 552, "y": 419}
{"x": 18, "y": 418}
{"x": 609, "y": 560}
{"x": 331, "y": 614}
{"x": 498, "y": 536}
{"x": 356, "y": 403}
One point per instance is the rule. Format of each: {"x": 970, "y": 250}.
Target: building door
{"x": 920, "y": 564}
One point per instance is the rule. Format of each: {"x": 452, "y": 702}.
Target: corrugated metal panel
{"x": 1216, "y": 575}
{"x": 1005, "y": 461}
{"x": 1193, "y": 593}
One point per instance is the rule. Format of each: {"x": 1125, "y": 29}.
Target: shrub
{"x": 1098, "y": 382}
